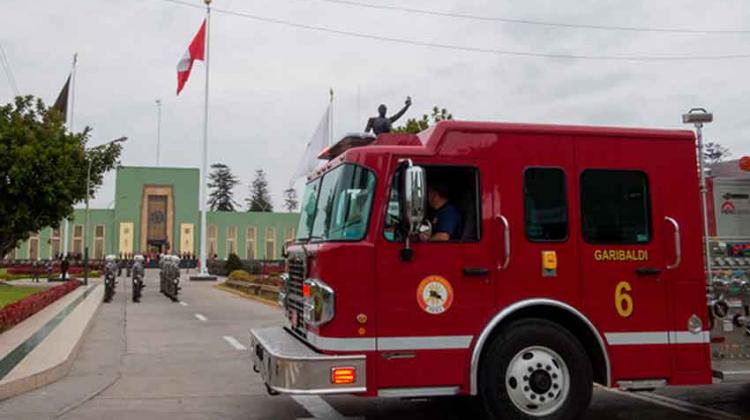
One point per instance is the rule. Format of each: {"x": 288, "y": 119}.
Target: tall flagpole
{"x": 204, "y": 165}
{"x": 158, "y": 130}
{"x": 359, "y": 108}
{"x": 330, "y": 119}
{"x": 71, "y": 98}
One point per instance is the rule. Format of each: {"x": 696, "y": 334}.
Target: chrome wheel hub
{"x": 537, "y": 381}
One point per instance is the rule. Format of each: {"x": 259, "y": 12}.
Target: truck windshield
{"x": 337, "y": 206}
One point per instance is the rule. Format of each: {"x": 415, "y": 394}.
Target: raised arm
{"x": 398, "y": 115}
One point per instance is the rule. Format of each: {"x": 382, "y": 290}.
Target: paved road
{"x": 161, "y": 360}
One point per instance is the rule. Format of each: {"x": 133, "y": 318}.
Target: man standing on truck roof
{"x": 447, "y": 223}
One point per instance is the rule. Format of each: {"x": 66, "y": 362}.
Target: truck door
{"x": 622, "y": 256}
{"x": 431, "y": 307}
{"x": 536, "y": 184}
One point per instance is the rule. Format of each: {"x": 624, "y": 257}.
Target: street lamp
{"x": 698, "y": 117}
{"x": 86, "y": 215}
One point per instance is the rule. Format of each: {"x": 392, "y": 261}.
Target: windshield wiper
{"x": 312, "y": 237}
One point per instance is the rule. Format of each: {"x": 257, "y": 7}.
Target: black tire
{"x": 540, "y": 336}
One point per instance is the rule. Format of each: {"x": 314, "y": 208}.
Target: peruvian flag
{"x": 196, "y": 51}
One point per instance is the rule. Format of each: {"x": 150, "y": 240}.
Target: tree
{"x": 713, "y": 152}
{"x": 260, "y": 198}
{"x": 43, "y": 169}
{"x": 290, "y": 199}
{"x": 233, "y": 263}
{"x": 415, "y": 126}
{"x": 222, "y": 182}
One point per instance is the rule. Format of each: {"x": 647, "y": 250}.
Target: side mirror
{"x": 412, "y": 205}
{"x": 414, "y": 197}
{"x": 285, "y": 248}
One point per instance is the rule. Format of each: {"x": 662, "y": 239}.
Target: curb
{"x": 51, "y": 374}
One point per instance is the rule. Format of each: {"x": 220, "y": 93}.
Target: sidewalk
{"x": 41, "y": 349}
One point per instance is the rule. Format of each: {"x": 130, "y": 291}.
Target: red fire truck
{"x": 579, "y": 261}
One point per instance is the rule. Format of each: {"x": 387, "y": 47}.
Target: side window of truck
{"x": 392, "y": 214}
{"x": 459, "y": 185}
{"x": 615, "y": 207}
{"x": 545, "y": 204}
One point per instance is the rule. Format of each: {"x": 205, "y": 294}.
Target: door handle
{"x": 677, "y": 244}
{"x": 506, "y": 240}
{"x": 647, "y": 271}
{"x": 475, "y": 271}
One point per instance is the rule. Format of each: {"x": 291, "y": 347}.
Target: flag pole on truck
{"x": 698, "y": 117}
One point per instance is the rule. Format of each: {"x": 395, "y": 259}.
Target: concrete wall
{"x": 97, "y": 217}
{"x": 282, "y": 224}
{"x": 184, "y": 183}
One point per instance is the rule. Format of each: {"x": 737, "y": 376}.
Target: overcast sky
{"x": 269, "y": 82}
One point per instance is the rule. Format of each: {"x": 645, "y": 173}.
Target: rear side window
{"x": 545, "y": 204}
{"x": 615, "y": 207}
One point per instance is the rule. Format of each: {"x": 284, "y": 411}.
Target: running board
{"x": 418, "y": 392}
{"x": 642, "y": 385}
{"x": 732, "y": 370}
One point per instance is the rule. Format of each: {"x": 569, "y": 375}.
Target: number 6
{"x": 623, "y": 301}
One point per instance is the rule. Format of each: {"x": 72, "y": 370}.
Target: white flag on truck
{"x": 318, "y": 142}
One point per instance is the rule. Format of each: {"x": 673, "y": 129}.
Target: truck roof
{"x": 440, "y": 128}
{"x": 428, "y": 142}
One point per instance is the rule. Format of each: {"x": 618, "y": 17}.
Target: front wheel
{"x": 535, "y": 369}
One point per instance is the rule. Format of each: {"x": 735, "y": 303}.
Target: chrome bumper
{"x": 289, "y": 366}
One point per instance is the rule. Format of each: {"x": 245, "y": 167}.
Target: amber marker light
{"x": 306, "y": 290}
{"x": 745, "y": 163}
{"x": 343, "y": 375}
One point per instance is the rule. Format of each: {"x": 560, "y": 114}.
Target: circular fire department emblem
{"x": 435, "y": 295}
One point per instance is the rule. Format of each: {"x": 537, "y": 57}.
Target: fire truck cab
{"x": 576, "y": 258}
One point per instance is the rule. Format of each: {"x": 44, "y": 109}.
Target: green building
{"x": 157, "y": 210}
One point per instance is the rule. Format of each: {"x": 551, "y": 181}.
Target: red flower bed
{"x": 24, "y": 270}
{"x": 272, "y": 268}
{"x": 24, "y": 308}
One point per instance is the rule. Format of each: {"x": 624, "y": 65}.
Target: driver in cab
{"x": 447, "y": 224}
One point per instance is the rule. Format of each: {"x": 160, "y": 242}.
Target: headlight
{"x": 175, "y": 281}
{"x": 318, "y": 302}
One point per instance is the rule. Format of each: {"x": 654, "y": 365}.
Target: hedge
{"x": 24, "y": 308}
{"x": 240, "y": 275}
{"x": 268, "y": 267}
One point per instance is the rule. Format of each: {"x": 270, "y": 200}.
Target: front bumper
{"x": 289, "y": 366}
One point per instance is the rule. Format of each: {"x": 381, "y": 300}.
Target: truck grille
{"x": 297, "y": 273}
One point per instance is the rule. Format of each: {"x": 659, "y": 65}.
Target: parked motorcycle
{"x": 170, "y": 276}
{"x": 138, "y": 274}
{"x": 110, "y": 277}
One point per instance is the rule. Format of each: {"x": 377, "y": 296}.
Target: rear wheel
{"x": 535, "y": 369}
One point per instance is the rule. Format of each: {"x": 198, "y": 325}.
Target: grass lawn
{"x": 10, "y": 294}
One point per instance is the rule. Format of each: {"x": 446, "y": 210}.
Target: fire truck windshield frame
{"x": 337, "y": 206}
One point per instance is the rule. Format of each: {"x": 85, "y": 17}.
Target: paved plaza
{"x": 188, "y": 360}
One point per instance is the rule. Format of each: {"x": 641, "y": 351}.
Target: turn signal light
{"x": 343, "y": 375}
